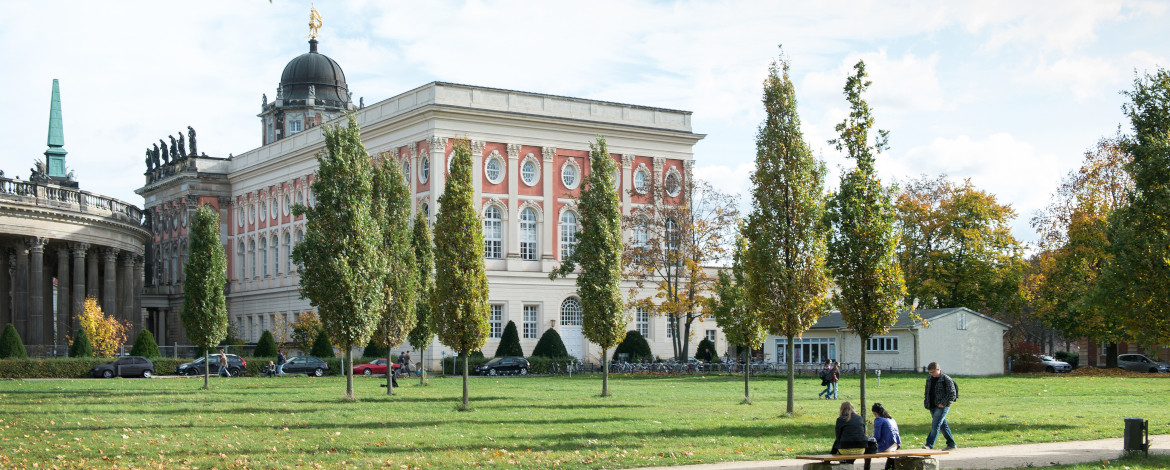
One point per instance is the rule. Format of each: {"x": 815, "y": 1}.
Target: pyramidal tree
{"x": 599, "y": 257}
{"x": 342, "y": 253}
{"x": 459, "y": 300}
{"x": 785, "y": 257}
{"x": 204, "y": 313}
{"x": 744, "y": 325}
{"x": 863, "y": 244}
{"x": 391, "y": 208}
{"x": 424, "y": 257}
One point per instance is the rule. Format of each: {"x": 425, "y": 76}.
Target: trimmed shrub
{"x": 81, "y": 346}
{"x": 705, "y": 351}
{"x": 510, "y": 342}
{"x": 477, "y": 354}
{"x": 550, "y": 345}
{"x": 11, "y": 347}
{"x": 322, "y": 348}
{"x": 266, "y": 347}
{"x": 635, "y": 346}
{"x": 374, "y": 350}
{"x": 1073, "y": 359}
{"x": 144, "y": 345}
{"x": 543, "y": 365}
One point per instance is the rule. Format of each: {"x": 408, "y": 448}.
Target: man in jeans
{"x": 940, "y": 393}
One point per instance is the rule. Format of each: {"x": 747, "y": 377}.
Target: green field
{"x": 521, "y": 421}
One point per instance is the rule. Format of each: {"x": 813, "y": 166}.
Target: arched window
{"x": 672, "y": 241}
{"x": 264, "y": 256}
{"x": 493, "y": 233}
{"x": 240, "y": 258}
{"x": 252, "y": 252}
{"x": 568, "y": 234}
{"x": 640, "y": 240}
{"x": 166, "y": 265}
{"x": 406, "y": 170}
{"x": 424, "y": 171}
{"x": 528, "y": 234}
{"x": 175, "y": 266}
{"x": 641, "y": 180}
{"x": 571, "y": 312}
{"x": 300, "y": 238}
{"x": 275, "y": 255}
{"x": 287, "y": 253}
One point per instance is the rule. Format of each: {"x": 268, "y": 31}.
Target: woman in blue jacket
{"x": 885, "y": 431}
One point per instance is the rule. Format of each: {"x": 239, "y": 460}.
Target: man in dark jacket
{"x": 940, "y": 393}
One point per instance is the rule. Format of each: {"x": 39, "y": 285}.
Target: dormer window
{"x": 295, "y": 127}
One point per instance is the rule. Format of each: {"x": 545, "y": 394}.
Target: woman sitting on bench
{"x": 851, "y": 438}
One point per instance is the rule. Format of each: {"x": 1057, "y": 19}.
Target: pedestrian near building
{"x": 280, "y": 360}
{"x": 223, "y": 364}
{"x": 826, "y": 380}
{"x": 941, "y": 392}
{"x": 834, "y": 377}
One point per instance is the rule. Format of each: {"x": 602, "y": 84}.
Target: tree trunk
{"x": 747, "y": 352}
{"x": 604, "y": 374}
{"x": 422, "y": 371}
{"x": 206, "y": 370}
{"x": 347, "y": 364}
{"x": 466, "y": 358}
{"x": 789, "y": 349}
{"x": 389, "y": 375}
{"x": 1111, "y": 355}
{"x": 864, "y": 412}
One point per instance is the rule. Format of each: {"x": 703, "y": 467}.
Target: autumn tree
{"x": 391, "y": 209}
{"x": 459, "y": 301}
{"x": 863, "y": 245}
{"x": 344, "y": 269}
{"x": 786, "y": 240}
{"x": 957, "y": 249}
{"x": 680, "y": 228}
{"x": 106, "y": 334}
{"x": 204, "y": 313}
{"x": 744, "y": 326}
{"x": 424, "y": 258}
{"x": 1136, "y": 279}
{"x": 598, "y": 256}
{"x": 304, "y": 330}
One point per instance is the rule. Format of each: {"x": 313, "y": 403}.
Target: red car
{"x": 376, "y": 366}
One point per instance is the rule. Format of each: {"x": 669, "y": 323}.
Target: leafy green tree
{"x": 391, "y": 208}
{"x": 322, "y": 347}
{"x": 957, "y": 249}
{"x": 204, "y": 313}
{"x": 423, "y": 333}
{"x": 305, "y": 330}
{"x": 81, "y": 346}
{"x": 599, "y": 257}
{"x": 743, "y": 325}
{"x": 344, "y": 269}
{"x": 863, "y": 247}
{"x": 144, "y": 345}
{"x": 509, "y": 342}
{"x": 11, "y": 347}
{"x": 550, "y": 345}
{"x": 634, "y": 346}
{"x": 459, "y": 300}
{"x": 266, "y": 346}
{"x": 786, "y": 240}
{"x": 375, "y": 348}
{"x": 1136, "y": 281}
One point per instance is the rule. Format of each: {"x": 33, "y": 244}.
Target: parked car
{"x": 306, "y": 364}
{"x": 376, "y": 366}
{"x": 1052, "y": 365}
{"x": 236, "y": 365}
{"x": 128, "y": 366}
{"x": 504, "y": 365}
{"x": 1141, "y": 363}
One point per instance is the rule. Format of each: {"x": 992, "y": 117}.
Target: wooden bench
{"x": 919, "y": 459}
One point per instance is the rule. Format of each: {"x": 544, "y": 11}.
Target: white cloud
{"x": 1054, "y": 25}
{"x": 905, "y": 84}
{"x": 1084, "y": 77}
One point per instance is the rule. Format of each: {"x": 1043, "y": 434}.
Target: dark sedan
{"x": 129, "y": 366}
{"x": 504, "y": 365}
{"x": 306, "y": 364}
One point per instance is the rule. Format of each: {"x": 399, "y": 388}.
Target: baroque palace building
{"x": 530, "y": 156}
{"x": 59, "y": 245}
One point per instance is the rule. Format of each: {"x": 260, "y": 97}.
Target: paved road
{"x": 1013, "y": 456}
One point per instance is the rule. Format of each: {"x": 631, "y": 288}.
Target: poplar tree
{"x": 1136, "y": 281}
{"x": 744, "y": 325}
{"x": 599, "y": 256}
{"x": 459, "y": 300}
{"x": 424, "y": 258}
{"x": 204, "y": 313}
{"x": 391, "y": 208}
{"x": 863, "y": 255}
{"x": 785, "y": 259}
{"x": 344, "y": 268}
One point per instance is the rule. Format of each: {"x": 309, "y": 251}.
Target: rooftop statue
{"x": 165, "y": 155}
{"x": 182, "y": 146}
{"x": 149, "y": 165}
{"x": 314, "y": 22}
{"x": 191, "y": 139}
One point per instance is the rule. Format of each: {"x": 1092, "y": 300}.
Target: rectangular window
{"x": 962, "y": 322}
{"x": 808, "y": 350}
{"x": 496, "y": 322}
{"x": 882, "y": 344}
{"x": 294, "y": 127}
{"x": 530, "y": 312}
{"x": 669, "y": 329}
{"x": 711, "y": 336}
{"x": 642, "y": 320}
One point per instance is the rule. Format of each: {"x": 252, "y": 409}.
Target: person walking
{"x": 826, "y": 380}
{"x": 223, "y": 364}
{"x": 940, "y": 393}
{"x": 280, "y": 360}
{"x": 834, "y": 376}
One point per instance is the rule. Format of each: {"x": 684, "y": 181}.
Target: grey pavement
{"x": 1010, "y": 456}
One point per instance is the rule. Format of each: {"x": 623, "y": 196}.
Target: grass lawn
{"x": 522, "y": 421}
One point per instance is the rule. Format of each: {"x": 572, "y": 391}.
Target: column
{"x": 110, "y": 279}
{"x": 78, "y": 250}
{"x": 438, "y": 172}
{"x": 64, "y": 307}
{"x": 627, "y": 182}
{"x": 20, "y": 291}
{"x": 126, "y": 294}
{"x": 513, "y": 175}
{"x": 136, "y": 295}
{"x": 91, "y": 275}
{"x": 477, "y": 172}
{"x": 549, "y": 204}
{"x": 5, "y": 286}
{"x": 36, "y": 291}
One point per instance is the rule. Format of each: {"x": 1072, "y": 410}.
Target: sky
{"x": 1008, "y": 94}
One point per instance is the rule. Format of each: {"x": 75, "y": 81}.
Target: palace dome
{"x": 318, "y": 70}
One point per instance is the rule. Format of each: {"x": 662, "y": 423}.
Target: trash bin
{"x": 1137, "y": 436}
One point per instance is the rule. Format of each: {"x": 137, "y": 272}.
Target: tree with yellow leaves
{"x": 106, "y": 333}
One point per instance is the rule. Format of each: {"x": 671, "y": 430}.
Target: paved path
{"x": 1013, "y": 456}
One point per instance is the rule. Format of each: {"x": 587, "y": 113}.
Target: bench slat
{"x": 879, "y": 455}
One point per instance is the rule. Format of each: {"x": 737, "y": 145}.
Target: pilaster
{"x": 438, "y": 177}
{"x": 548, "y": 155}
{"x": 477, "y": 172}
{"x": 513, "y": 245}
{"x": 36, "y": 291}
{"x": 627, "y": 182}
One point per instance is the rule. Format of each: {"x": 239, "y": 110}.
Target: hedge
{"x": 78, "y": 367}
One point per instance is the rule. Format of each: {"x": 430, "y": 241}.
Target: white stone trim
{"x": 495, "y": 156}
{"x": 571, "y": 162}
{"x": 530, "y": 158}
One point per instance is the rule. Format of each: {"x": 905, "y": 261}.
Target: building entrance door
{"x": 573, "y": 339}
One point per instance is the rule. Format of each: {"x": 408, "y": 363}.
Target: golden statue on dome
{"x": 314, "y": 22}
